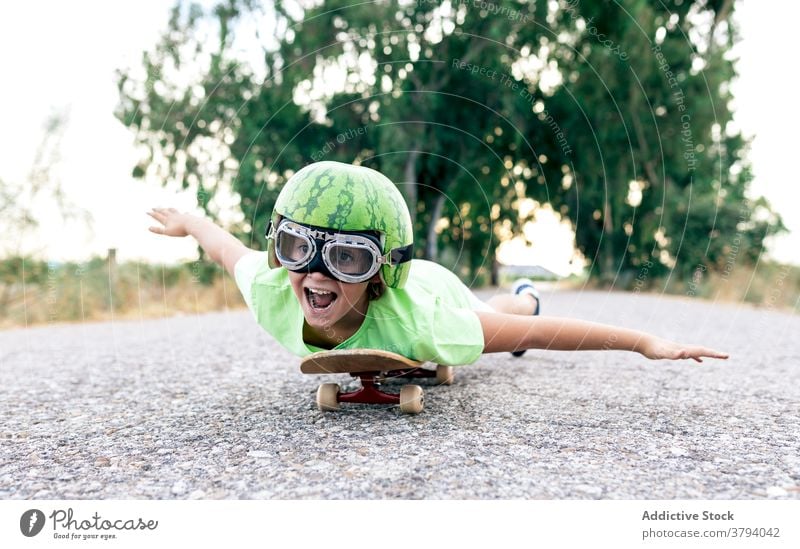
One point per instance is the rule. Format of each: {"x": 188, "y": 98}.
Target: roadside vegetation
{"x": 36, "y": 292}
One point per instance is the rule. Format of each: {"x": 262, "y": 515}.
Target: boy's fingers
{"x": 712, "y": 353}
{"x": 157, "y": 230}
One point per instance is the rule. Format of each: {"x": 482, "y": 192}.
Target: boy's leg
{"x": 523, "y": 304}
{"x": 524, "y": 300}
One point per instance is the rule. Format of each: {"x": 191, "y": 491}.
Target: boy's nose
{"x": 317, "y": 275}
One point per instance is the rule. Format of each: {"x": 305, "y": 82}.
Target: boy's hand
{"x": 656, "y": 348}
{"x": 173, "y": 221}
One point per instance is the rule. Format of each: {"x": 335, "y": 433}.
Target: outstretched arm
{"x": 222, "y": 247}
{"x": 505, "y": 332}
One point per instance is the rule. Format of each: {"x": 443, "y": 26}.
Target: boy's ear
{"x": 376, "y": 287}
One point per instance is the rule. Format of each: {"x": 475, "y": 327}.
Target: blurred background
{"x": 636, "y": 145}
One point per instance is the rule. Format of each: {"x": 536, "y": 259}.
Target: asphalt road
{"x": 211, "y": 407}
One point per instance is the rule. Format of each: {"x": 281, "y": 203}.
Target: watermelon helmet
{"x": 340, "y": 197}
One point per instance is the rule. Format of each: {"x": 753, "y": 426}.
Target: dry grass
{"x": 93, "y": 292}
{"x": 769, "y": 285}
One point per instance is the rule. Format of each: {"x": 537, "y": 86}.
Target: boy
{"x": 338, "y": 273}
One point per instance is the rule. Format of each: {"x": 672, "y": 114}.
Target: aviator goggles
{"x": 345, "y": 256}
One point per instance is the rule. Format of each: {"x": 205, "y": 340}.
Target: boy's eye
{"x": 345, "y": 256}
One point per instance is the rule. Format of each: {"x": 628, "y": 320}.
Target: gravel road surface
{"x": 211, "y": 407}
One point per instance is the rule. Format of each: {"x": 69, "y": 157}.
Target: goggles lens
{"x": 349, "y": 260}
{"x": 293, "y": 249}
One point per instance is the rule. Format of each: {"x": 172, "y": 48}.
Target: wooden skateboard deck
{"x": 355, "y": 361}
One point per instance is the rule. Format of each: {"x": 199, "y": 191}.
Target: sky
{"x": 49, "y": 65}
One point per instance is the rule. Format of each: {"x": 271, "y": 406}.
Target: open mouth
{"x": 320, "y": 300}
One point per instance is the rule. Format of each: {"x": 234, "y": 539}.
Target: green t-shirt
{"x": 430, "y": 319}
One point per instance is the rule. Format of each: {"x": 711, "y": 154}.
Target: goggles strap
{"x": 401, "y": 255}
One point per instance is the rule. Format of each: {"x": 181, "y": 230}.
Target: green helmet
{"x": 343, "y": 197}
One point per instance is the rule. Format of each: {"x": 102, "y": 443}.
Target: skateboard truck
{"x": 410, "y": 399}
{"x": 362, "y": 364}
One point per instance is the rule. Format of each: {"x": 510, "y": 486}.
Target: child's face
{"x": 329, "y": 305}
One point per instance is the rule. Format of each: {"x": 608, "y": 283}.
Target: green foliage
{"x": 455, "y": 107}
{"x": 660, "y": 118}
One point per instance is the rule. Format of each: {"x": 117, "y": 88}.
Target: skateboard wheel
{"x": 328, "y": 397}
{"x": 444, "y": 374}
{"x": 411, "y": 399}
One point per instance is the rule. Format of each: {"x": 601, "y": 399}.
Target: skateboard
{"x": 372, "y": 367}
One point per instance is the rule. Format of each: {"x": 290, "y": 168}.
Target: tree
{"x": 17, "y": 199}
{"x": 469, "y": 107}
{"x": 659, "y": 184}
{"x": 18, "y": 202}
